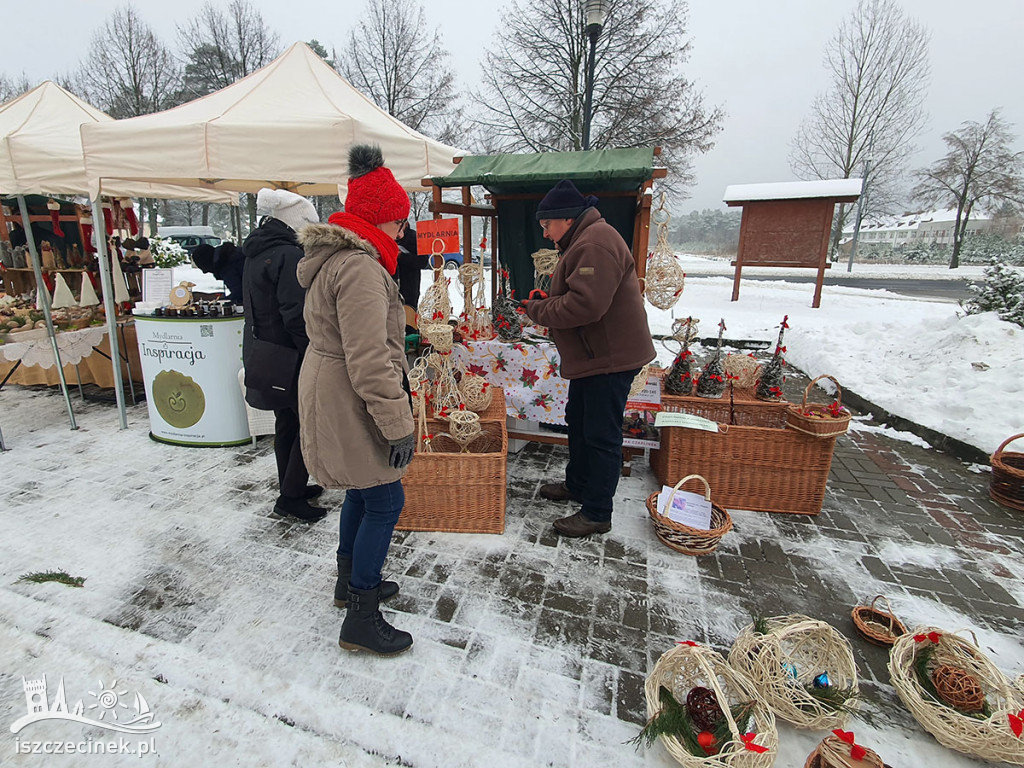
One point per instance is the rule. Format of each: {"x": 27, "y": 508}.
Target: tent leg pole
{"x": 108, "y": 304}
{"x": 44, "y": 300}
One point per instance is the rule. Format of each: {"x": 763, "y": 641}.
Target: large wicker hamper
{"x": 457, "y": 492}
{"x": 768, "y": 469}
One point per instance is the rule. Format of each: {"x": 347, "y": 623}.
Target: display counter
{"x": 190, "y": 370}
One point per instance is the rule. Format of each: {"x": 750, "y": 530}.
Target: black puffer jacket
{"x": 272, "y": 295}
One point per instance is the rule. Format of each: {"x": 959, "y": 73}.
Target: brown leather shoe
{"x": 577, "y": 526}
{"x": 556, "y": 492}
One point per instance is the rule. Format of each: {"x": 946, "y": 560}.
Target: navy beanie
{"x": 564, "y": 201}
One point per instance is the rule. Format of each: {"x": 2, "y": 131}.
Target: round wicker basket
{"x": 877, "y": 626}
{"x": 686, "y": 666}
{"x": 807, "y": 647}
{"x": 816, "y": 419}
{"x": 1007, "y": 483}
{"x": 683, "y": 538}
{"x": 989, "y": 738}
{"x": 833, "y": 752}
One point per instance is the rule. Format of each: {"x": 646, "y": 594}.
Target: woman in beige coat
{"x": 357, "y": 428}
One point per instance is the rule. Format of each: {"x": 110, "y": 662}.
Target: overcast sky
{"x": 762, "y": 61}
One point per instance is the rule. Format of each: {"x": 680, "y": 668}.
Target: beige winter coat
{"x": 352, "y": 398}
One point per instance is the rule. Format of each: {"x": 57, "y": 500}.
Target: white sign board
{"x": 190, "y": 367}
{"x": 688, "y": 508}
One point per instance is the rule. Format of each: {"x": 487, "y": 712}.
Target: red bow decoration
{"x": 857, "y": 752}
{"x": 933, "y": 636}
{"x": 687, "y": 642}
{"x": 784, "y": 319}
{"x": 748, "y": 743}
{"x": 1016, "y": 723}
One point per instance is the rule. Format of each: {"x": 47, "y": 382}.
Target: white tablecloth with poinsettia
{"x": 527, "y": 371}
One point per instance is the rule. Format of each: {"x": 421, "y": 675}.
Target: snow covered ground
{"x": 220, "y": 615}
{"x": 920, "y": 359}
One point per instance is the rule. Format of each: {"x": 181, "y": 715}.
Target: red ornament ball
{"x": 706, "y": 739}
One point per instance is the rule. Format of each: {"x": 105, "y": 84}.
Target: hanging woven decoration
{"x": 439, "y": 335}
{"x": 685, "y": 331}
{"x": 743, "y": 370}
{"x": 711, "y": 383}
{"x": 665, "y": 277}
{"x": 769, "y": 386}
{"x": 435, "y": 305}
{"x": 475, "y": 321}
{"x": 639, "y": 381}
{"x": 476, "y": 392}
{"x": 679, "y": 379}
{"x": 544, "y": 262}
{"x": 464, "y": 427}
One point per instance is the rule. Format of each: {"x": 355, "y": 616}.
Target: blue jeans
{"x": 593, "y": 414}
{"x": 368, "y": 518}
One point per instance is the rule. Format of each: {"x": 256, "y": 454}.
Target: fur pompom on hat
{"x": 373, "y": 193}
{"x": 294, "y": 210}
{"x": 564, "y": 201}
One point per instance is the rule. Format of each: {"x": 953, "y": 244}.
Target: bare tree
{"x": 979, "y": 169}
{"x": 535, "y": 82}
{"x": 878, "y": 65}
{"x": 221, "y": 46}
{"x": 396, "y": 60}
{"x": 13, "y": 86}
{"x": 128, "y": 71}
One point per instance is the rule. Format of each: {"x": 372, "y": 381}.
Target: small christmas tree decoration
{"x": 712, "y": 379}
{"x": 769, "y": 385}
{"x": 679, "y": 379}
{"x": 703, "y": 708}
{"x": 505, "y": 313}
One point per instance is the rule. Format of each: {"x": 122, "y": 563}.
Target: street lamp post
{"x": 596, "y": 12}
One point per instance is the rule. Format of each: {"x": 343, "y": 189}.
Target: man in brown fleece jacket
{"x": 595, "y": 312}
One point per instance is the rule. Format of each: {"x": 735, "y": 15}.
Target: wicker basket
{"x": 686, "y": 666}
{"x": 447, "y": 490}
{"x": 806, "y": 646}
{"x": 990, "y": 738}
{"x": 744, "y": 410}
{"x": 877, "y": 626}
{"x": 1007, "y": 484}
{"x": 758, "y": 468}
{"x": 815, "y": 419}
{"x": 683, "y": 538}
{"x": 833, "y": 752}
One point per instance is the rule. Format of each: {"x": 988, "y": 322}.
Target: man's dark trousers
{"x": 593, "y": 414}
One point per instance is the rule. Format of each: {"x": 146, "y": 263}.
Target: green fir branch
{"x": 61, "y": 577}
{"x": 672, "y": 720}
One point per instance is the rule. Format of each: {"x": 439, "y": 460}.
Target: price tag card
{"x": 688, "y": 508}
{"x": 688, "y": 420}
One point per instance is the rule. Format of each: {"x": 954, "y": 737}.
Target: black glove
{"x": 402, "y": 451}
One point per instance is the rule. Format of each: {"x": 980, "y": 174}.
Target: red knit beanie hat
{"x": 373, "y": 193}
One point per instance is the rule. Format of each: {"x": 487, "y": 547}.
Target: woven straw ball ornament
{"x": 665, "y": 278}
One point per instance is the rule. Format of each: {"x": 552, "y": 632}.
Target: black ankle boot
{"x": 300, "y": 509}
{"x": 388, "y": 589}
{"x": 365, "y": 629}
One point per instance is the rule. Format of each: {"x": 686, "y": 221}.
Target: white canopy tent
{"x": 289, "y": 125}
{"x": 41, "y": 152}
{"x": 41, "y": 149}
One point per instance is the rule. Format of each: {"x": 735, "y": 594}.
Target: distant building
{"x": 923, "y": 228}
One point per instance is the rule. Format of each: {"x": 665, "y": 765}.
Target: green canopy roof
{"x": 600, "y": 169}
